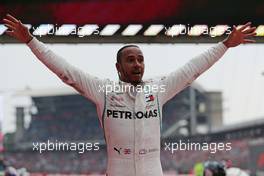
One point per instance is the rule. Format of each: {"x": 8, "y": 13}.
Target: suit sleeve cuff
{"x": 222, "y": 46}
{"x": 32, "y": 43}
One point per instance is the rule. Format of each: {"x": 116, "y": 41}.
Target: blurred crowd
{"x": 95, "y": 161}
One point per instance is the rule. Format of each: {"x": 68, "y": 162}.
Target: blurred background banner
{"x": 118, "y": 21}
{"x": 135, "y": 11}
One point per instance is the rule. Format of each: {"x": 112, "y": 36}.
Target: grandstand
{"x": 247, "y": 141}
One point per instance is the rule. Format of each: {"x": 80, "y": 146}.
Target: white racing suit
{"x": 131, "y": 123}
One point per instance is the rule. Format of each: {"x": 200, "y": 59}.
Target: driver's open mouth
{"x": 136, "y": 72}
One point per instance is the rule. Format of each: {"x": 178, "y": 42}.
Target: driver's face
{"x": 131, "y": 66}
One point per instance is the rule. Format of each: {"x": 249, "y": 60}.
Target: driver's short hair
{"x": 119, "y": 52}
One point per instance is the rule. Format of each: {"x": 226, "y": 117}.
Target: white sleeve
{"x": 183, "y": 77}
{"x": 84, "y": 83}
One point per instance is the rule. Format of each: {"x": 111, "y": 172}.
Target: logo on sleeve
{"x": 149, "y": 98}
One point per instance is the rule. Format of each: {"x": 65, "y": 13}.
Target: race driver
{"x": 131, "y": 118}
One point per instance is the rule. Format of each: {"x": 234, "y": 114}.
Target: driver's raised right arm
{"x": 87, "y": 85}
